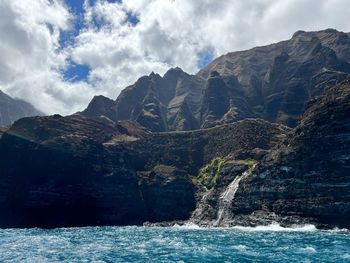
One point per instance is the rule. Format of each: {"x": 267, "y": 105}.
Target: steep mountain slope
{"x": 171, "y": 102}
{"x": 272, "y": 82}
{"x": 14, "y": 109}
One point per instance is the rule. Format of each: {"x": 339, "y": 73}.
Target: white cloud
{"x": 169, "y": 33}
{"x": 30, "y": 58}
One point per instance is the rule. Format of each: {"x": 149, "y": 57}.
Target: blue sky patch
{"x": 77, "y": 7}
{"x": 132, "y": 19}
{"x": 205, "y": 57}
{"x": 76, "y": 72}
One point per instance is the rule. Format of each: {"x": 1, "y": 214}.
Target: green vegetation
{"x": 209, "y": 174}
{"x": 251, "y": 166}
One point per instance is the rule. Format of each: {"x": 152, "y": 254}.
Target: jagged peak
{"x": 302, "y": 33}
{"x": 100, "y": 97}
{"x": 177, "y": 71}
{"x": 154, "y": 75}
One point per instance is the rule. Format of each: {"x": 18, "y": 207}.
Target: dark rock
{"x": 308, "y": 175}
{"x": 166, "y": 187}
{"x": 75, "y": 171}
{"x": 2, "y": 131}
{"x": 100, "y": 106}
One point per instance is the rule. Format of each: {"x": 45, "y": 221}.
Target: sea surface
{"x": 175, "y": 244}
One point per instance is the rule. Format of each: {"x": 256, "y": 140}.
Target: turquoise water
{"x": 174, "y": 244}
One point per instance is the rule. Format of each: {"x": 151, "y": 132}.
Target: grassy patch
{"x": 209, "y": 174}
{"x": 251, "y": 166}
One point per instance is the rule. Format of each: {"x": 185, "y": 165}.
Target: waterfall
{"x": 228, "y": 196}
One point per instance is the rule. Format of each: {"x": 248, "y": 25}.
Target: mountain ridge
{"x": 271, "y": 82}
{"x": 14, "y": 109}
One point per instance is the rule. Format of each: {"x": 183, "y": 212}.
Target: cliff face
{"x": 305, "y": 178}
{"x": 57, "y": 172}
{"x": 73, "y": 171}
{"x": 272, "y": 82}
{"x": 14, "y": 109}
{"x": 309, "y": 174}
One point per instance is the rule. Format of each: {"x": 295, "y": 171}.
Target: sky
{"x": 58, "y": 54}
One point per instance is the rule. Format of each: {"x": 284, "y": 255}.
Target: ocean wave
{"x": 188, "y": 225}
{"x": 278, "y": 228}
{"x": 308, "y": 249}
{"x": 275, "y": 227}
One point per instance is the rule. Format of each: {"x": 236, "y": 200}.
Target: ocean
{"x": 175, "y": 244}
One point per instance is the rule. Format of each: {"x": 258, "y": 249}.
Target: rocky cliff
{"x": 272, "y": 82}
{"x": 14, "y": 109}
{"x": 304, "y": 179}
{"x": 73, "y": 171}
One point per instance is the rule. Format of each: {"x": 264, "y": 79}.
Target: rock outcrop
{"x": 14, "y": 109}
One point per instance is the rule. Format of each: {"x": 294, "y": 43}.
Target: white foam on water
{"x": 275, "y": 227}
{"x": 188, "y": 225}
{"x": 346, "y": 256}
{"x": 339, "y": 230}
{"x": 240, "y": 247}
{"x": 308, "y": 249}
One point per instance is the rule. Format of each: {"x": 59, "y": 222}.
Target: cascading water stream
{"x": 228, "y": 196}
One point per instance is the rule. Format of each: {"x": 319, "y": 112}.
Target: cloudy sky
{"x": 57, "y": 54}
